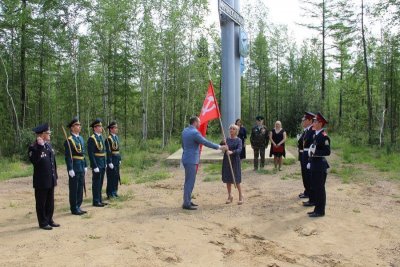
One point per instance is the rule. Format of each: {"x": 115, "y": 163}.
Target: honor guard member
{"x": 42, "y": 156}
{"x": 113, "y": 161}
{"x": 318, "y": 165}
{"x": 259, "y": 141}
{"x": 97, "y": 157}
{"x": 305, "y": 143}
{"x": 76, "y": 166}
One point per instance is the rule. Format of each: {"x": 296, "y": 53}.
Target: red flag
{"x": 209, "y": 111}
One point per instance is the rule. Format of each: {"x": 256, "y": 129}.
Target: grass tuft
{"x": 212, "y": 178}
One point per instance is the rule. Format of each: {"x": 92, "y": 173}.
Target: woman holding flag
{"x": 234, "y": 150}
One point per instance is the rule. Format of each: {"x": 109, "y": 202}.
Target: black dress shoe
{"x": 189, "y": 208}
{"x": 83, "y": 211}
{"x": 77, "y": 212}
{"x": 98, "y": 205}
{"x": 308, "y": 204}
{"x": 104, "y": 203}
{"x": 310, "y": 212}
{"x": 302, "y": 195}
{"x": 193, "y": 205}
{"x": 53, "y": 224}
{"x": 315, "y": 215}
{"x": 46, "y": 227}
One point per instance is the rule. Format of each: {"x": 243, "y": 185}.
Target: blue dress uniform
{"x": 319, "y": 166}
{"x": 78, "y": 164}
{"x": 113, "y": 159}
{"x": 97, "y": 157}
{"x": 44, "y": 179}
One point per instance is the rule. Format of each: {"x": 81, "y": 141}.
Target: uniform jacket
{"x": 78, "y": 161}
{"x": 300, "y": 144}
{"x": 96, "y": 151}
{"x": 322, "y": 143}
{"x": 112, "y": 148}
{"x": 44, "y": 165}
{"x": 191, "y": 140}
{"x": 308, "y": 140}
{"x": 259, "y": 136}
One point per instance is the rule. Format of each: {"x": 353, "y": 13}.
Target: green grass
{"x": 349, "y": 174}
{"x": 289, "y": 161}
{"x": 212, "y": 178}
{"x": 213, "y": 168}
{"x": 266, "y": 171}
{"x": 291, "y": 176}
{"x": 152, "y": 177}
{"x": 14, "y": 168}
{"x": 385, "y": 159}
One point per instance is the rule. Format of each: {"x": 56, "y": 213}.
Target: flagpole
{"x": 223, "y": 134}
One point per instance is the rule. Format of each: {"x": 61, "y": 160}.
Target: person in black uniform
{"x": 318, "y": 165}
{"x": 42, "y": 156}
{"x": 113, "y": 161}
{"x": 97, "y": 157}
{"x": 243, "y": 136}
{"x": 304, "y": 144}
{"x": 259, "y": 141}
{"x": 76, "y": 166}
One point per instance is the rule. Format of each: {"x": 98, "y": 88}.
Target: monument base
{"x": 209, "y": 155}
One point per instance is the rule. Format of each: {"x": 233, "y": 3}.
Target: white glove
{"x": 96, "y": 170}
{"x": 308, "y": 166}
{"x": 85, "y": 170}
{"x": 298, "y": 137}
{"x": 111, "y": 166}
{"x": 71, "y": 173}
{"x": 120, "y": 162}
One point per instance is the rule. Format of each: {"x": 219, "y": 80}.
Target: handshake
{"x": 223, "y": 148}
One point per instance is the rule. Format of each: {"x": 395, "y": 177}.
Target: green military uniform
{"x": 259, "y": 141}
{"x": 113, "y": 162}
{"x": 77, "y": 166}
{"x": 97, "y": 157}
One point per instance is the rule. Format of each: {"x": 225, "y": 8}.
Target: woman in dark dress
{"x": 242, "y": 135}
{"x": 278, "y": 139}
{"x": 235, "y": 147}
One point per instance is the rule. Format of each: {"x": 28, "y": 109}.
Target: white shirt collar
{"x": 76, "y": 135}
{"x": 97, "y": 134}
{"x": 317, "y": 132}
{"x": 113, "y": 135}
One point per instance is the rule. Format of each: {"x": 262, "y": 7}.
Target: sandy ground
{"x": 148, "y": 227}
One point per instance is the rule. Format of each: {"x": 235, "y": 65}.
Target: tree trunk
{"x": 368, "y": 89}
{"x": 323, "y": 56}
{"x": 17, "y": 130}
{"x": 23, "y": 64}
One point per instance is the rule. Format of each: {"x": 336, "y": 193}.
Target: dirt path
{"x": 148, "y": 227}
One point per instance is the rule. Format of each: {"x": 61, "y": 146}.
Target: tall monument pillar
{"x": 238, "y": 98}
{"x": 231, "y": 21}
{"x": 228, "y": 97}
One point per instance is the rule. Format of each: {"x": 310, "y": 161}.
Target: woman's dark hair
{"x": 238, "y": 120}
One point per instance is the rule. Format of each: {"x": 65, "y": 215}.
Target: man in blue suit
{"x": 191, "y": 140}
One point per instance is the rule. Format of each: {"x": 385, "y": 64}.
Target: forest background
{"x": 147, "y": 63}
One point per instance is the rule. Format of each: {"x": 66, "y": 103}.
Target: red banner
{"x": 209, "y": 111}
